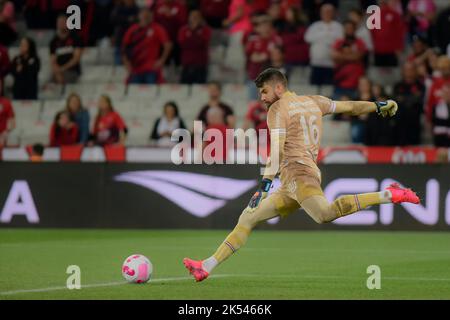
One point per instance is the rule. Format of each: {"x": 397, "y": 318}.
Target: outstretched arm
{"x": 356, "y": 108}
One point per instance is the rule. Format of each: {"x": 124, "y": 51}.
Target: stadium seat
{"x": 13, "y": 51}
{"x": 44, "y": 54}
{"x": 118, "y": 74}
{"x": 42, "y": 37}
{"x": 36, "y": 132}
{"x": 335, "y": 133}
{"x": 142, "y": 91}
{"x": 304, "y": 89}
{"x": 51, "y": 108}
{"x": 199, "y": 92}
{"x": 326, "y": 91}
{"x": 114, "y": 90}
{"x": 235, "y": 92}
{"x": 300, "y": 75}
{"x": 127, "y": 108}
{"x": 51, "y": 91}
{"x": 14, "y": 137}
{"x": 175, "y": 92}
{"x": 83, "y": 89}
{"x": 29, "y": 109}
{"x": 138, "y": 131}
{"x": 89, "y": 56}
{"x": 97, "y": 74}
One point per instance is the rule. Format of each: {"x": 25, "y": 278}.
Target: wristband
{"x": 266, "y": 184}
{"x": 380, "y": 104}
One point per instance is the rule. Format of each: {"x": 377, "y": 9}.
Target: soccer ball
{"x": 137, "y": 269}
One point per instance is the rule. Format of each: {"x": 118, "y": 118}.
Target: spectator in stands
{"x": 420, "y": 50}
{"x": 42, "y": 14}
{"x": 101, "y": 26}
{"x": 434, "y": 93}
{"x": 109, "y": 127}
{"x": 441, "y": 119}
{"x": 409, "y": 93}
{"x": 215, "y": 12}
{"x": 7, "y": 119}
{"x": 442, "y": 26}
{"x": 4, "y": 66}
{"x": 256, "y": 118}
{"x": 37, "y": 152}
{"x": 321, "y": 35}
{"x": 277, "y": 59}
{"x": 275, "y": 14}
{"x": 362, "y": 32}
{"x": 258, "y": 50}
{"x": 63, "y": 131}
{"x": 296, "y": 50}
{"x": 215, "y": 122}
{"x": 80, "y": 115}
{"x": 215, "y": 93}
{"x": 238, "y": 24}
{"x": 145, "y": 49}
{"x": 171, "y": 15}
{"x": 348, "y": 55}
{"x": 238, "y": 20}
{"x": 359, "y": 123}
{"x": 8, "y": 32}
{"x": 428, "y": 70}
{"x": 65, "y": 53}
{"x": 379, "y": 131}
{"x": 389, "y": 40}
{"x": 193, "y": 40}
{"x": 25, "y": 69}
{"x": 420, "y": 16}
{"x": 124, "y": 14}
{"x": 166, "y": 124}
{"x": 313, "y": 8}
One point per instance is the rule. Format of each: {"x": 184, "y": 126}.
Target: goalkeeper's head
{"x": 272, "y": 84}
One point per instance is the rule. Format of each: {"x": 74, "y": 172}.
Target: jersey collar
{"x": 288, "y": 93}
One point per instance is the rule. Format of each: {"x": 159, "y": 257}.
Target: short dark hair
{"x": 270, "y": 75}
{"x": 38, "y": 149}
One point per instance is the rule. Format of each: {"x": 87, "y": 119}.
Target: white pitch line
{"x": 108, "y": 284}
{"x": 111, "y": 284}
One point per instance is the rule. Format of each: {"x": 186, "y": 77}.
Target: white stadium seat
{"x": 51, "y": 91}
{"x": 51, "y": 108}
{"x": 175, "y": 92}
{"x": 89, "y": 56}
{"x": 83, "y": 89}
{"x": 97, "y": 74}
{"x": 142, "y": 91}
{"x": 138, "y": 131}
{"x": 200, "y": 92}
{"x": 235, "y": 92}
{"x": 118, "y": 74}
{"x": 113, "y": 90}
{"x": 29, "y": 109}
{"x": 36, "y": 132}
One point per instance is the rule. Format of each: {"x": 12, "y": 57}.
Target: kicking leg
{"x": 322, "y": 211}
{"x": 276, "y": 204}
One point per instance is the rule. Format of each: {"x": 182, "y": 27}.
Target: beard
{"x": 270, "y": 103}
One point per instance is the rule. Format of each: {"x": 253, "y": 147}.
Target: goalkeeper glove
{"x": 260, "y": 194}
{"x": 386, "y": 108}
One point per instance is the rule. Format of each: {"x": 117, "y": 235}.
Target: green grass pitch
{"x": 273, "y": 265}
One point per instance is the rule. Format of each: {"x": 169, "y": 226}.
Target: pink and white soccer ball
{"x": 137, "y": 269}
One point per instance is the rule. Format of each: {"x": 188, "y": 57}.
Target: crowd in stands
{"x": 410, "y": 54}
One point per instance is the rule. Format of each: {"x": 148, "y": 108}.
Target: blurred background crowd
{"x": 137, "y": 70}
